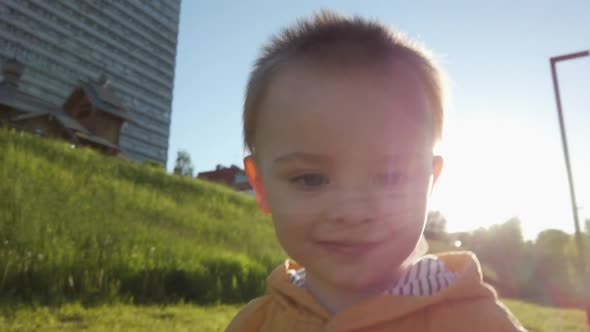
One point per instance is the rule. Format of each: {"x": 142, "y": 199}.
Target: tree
{"x": 184, "y": 166}
{"x": 553, "y": 276}
{"x": 501, "y": 249}
{"x": 436, "y": 226}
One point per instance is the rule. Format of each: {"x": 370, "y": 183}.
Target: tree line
{"x": 545, "y": 270}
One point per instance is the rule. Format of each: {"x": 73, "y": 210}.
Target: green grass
{"x": 536, "y": 318}
{"x": 79, "y": 226}
{"x": 74, "y": 317}
{"x": 78, "y": 230}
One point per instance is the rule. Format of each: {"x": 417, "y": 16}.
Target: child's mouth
{"x": 349, "y": 248}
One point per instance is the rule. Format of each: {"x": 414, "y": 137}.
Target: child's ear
{"x": 437, "y": 166}
{"x": 256, "y": 183}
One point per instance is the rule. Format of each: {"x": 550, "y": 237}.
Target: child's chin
{"x": 375, "y": 280}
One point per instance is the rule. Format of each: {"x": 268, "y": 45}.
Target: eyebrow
{"x": 302, "y": 156}
{"x": 402, "y": 156}
{"x": 320, "y": 159}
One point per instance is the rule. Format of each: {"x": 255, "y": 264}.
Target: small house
{"x": 91, "y": 116}
{"x": 232, "y": 176}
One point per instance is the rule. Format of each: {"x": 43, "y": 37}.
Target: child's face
{"x": 344, "y": 163}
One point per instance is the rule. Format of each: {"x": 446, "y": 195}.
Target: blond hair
{"x": 335, "y": 39}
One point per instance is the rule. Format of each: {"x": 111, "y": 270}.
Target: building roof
{"x": 97, "y": 140}
{"x": 11, "y": 96}
{"x": 102, "y": 97}
{"x": 98, "y": 92}
{"x": 225, "y": 176}
{"x": 69, "y": 123}
{"x": 232, "y": 176}
{"x": 64, "y": 119}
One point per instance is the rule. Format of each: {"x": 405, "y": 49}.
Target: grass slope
{"x": 76, "y": 225}
{"x": 74, "y": 317}
{"x": 537, "y": 318}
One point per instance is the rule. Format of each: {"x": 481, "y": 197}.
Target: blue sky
{"x": 502, "y": 147}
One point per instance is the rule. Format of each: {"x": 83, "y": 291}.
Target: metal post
{"x": 579, "y": 241}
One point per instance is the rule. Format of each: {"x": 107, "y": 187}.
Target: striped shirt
{"x": 424, "y": 278}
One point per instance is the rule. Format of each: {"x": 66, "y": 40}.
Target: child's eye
{"x": 390, "y": 179}
{"x": 310, "y": 181}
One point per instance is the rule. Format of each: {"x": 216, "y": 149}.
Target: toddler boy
{"x": 341, "y": 118}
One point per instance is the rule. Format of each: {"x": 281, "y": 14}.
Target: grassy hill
{"x": 76, "y": 225}
{"x": 73, "y": 317}
{"x": 79, "y": 227}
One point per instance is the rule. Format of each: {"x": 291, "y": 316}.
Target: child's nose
{"x": 353, "y": 208}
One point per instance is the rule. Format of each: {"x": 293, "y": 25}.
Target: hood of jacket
{"x": 467, "y": 286}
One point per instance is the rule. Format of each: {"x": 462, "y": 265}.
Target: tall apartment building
{"x": 63, "y": 42}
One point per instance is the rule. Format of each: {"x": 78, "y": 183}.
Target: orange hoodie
{"x": 467, "y": 305}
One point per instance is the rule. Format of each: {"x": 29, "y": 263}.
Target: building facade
{"x": 63, "y": 43}
{"x": 232, "y": 176}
